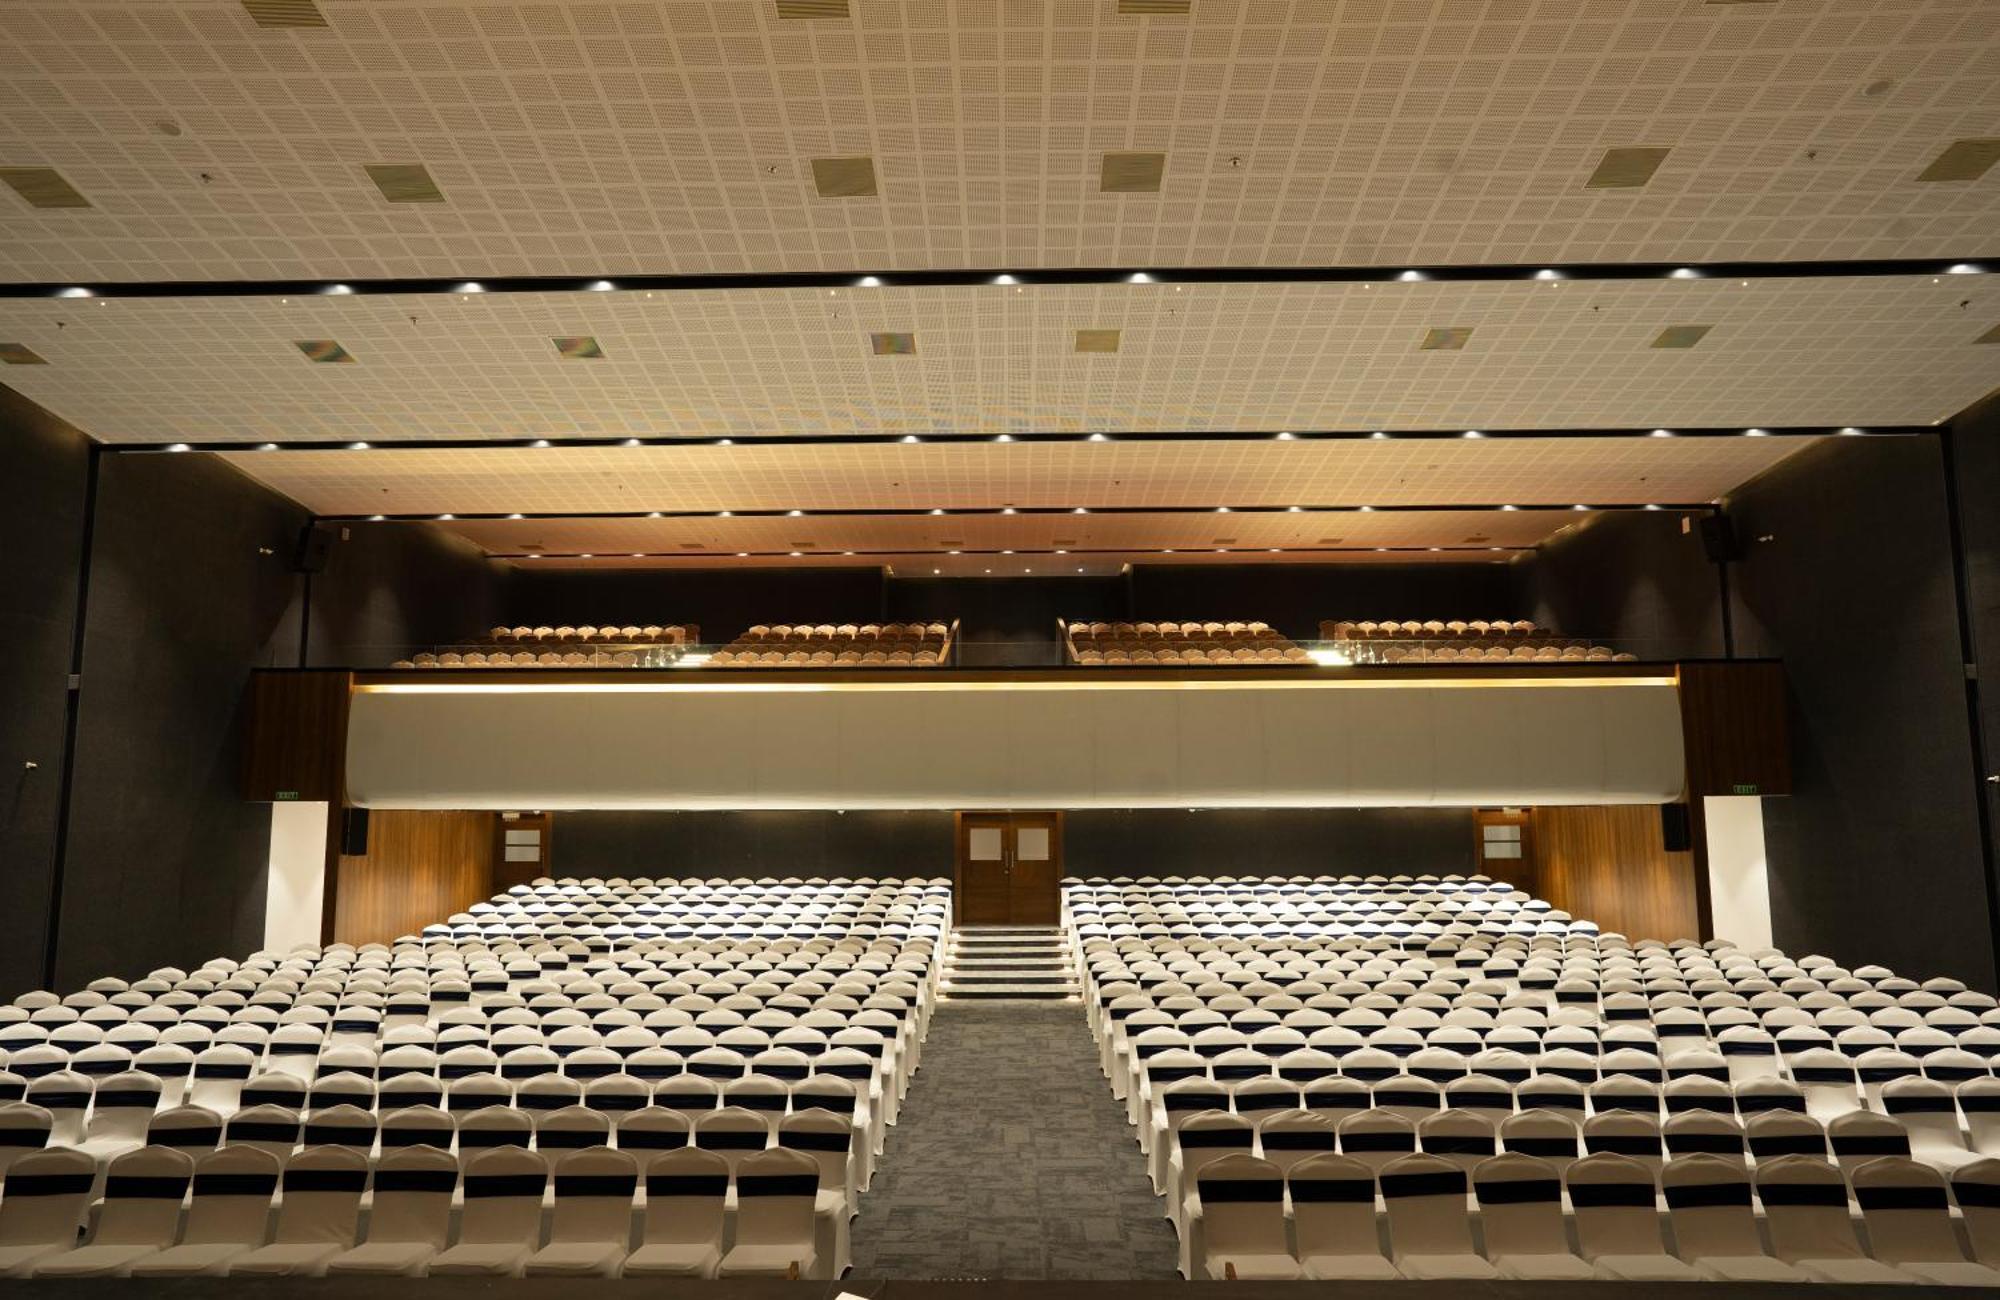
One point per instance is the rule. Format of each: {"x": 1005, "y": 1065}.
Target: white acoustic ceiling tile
{"x": 676, "y": 135}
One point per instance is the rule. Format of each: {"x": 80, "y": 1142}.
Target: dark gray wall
{"x": 1632, "y": 580}
{"x": 1847, "y": 576}
{"x": 1975, "y": 447}
{"x": 391, "y": 589}
{"x": 1267, "y": 841}
{"x": 166, "y": 861}
{"x": 44, "y": 464}
{"x": 680, "y": 845}
{"x": 1256, "y": 841}
{"x": 1010, "y": 621}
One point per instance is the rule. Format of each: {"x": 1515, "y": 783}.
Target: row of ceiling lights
{"x": 1086, "y": 550}
{"x": 784, "y": 440}
{"x": 867, "y": 513}
{"x": 1587, "y": 271}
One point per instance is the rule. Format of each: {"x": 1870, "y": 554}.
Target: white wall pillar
{"x": 1739, "y": 887}
{"x": 295, "y": 881}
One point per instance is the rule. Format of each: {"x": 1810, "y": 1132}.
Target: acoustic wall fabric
{"x": 952, "y": 744}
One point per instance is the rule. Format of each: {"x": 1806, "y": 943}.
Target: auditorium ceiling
{"x": 155, "y": 145}
{"x": 619, "y": 137}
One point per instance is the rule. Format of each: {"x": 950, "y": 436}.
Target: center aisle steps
{"x": 1009, "y": 962}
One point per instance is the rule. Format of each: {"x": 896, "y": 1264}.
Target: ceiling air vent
{"x": 951, "y": 541}
{"x": 1151, "y": 8}
{"x": 812, "y": 9}
{"x": 1450, "y": 338}
{"x": 1065, "y": 541}
{"x": 43, "y": 187}
{"x": 693, "y": 546}
{"x": 1963, "y": 160}
{"x": 1626, "y": 169}
{"x": 1132, "y": 173}
{"x": 1475, "y": 539}
{"x": 285, "y": 13}
{"x": 323, "y": 350}
{"x": 1097, "y": 340}
{"x": 1330, "y": 541}
{"x": 20, "y": 354}
{"x": 578, "y": 347}
{"x": 1222, "y": 541}
{"x": 844, "y": 178}
{"x": 1681, "y": 336}
{"x": 1990, "y": 336}
{"x": 404, "y": 182}
{"x": 893, "y": 344}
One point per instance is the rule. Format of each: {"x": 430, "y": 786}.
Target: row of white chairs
{"x": 1513, "y": 1216}
{"x": 241, "y": 1210}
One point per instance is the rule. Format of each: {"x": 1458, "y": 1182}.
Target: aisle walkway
{"x": 1011, "y": 1160}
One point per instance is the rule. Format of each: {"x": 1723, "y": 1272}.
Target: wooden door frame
{"x": 959, "y": 841}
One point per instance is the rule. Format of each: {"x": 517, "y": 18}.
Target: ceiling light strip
{"x": 986, "y": 277}
{"x": 1011, "y": 439}
{"x": 864, "y": 512}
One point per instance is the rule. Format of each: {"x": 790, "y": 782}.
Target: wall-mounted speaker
{"x": 354, "y": 832}
{"x": 1718, "y": 539}
{"x": 314, "y": 546}
{"x": 1676, "y": 832}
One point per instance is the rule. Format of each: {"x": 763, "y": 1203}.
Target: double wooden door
{"x": 1009, "y": 868}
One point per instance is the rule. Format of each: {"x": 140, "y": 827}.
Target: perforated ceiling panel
{"x": 992, "y": 359}
{"x": 583, "y": 137}
{"x": 893, "y": 476}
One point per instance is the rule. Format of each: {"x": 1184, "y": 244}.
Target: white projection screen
{"x": 1017, "y": 744}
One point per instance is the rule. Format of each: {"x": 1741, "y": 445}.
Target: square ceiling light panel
{"x": 578, "y": 347}
{"x": 1626, "y": 169}
{"x": 1450, "y": 338}
{"x": 404, "y": 182}
{"x": 324, "y": 351}
{"x": 893, "y": 344}
{"x": 844, "y": 178}
{"x": 1682, "y": 336}
{"x": 43, "y": 187}
{"x": 1097, "y": 340}
{"x": 1132, "y": 173}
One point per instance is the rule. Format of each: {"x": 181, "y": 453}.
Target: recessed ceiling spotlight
{"x": 1410, "y": 275}
{"x": 1292, "y": 510}
{"x": 587, "y": 555}
{"x": 1649, "y": 505}
{"x": 1368, "y": 510}
{"x": 637, "y": 555}
{"x": 1579, "y": 507}
{"x": 470, "y": 286}
{"x": 1138, "y": 277}
{"x": 1080, "y": 510}
{"x": 1005, "y": 437}
{"x": 377, "y": 518}
{"x": 1007, "y": 510}
{"x": 1661, "y": 433}
{"x": 1510, "y": 507}
{"x": 1547, "y": 273}
{"x": 1684, "y": 273}
{"x": 1851, "y": 432}
{"x": 632, "y": 442}
{"x": 1472, "y": 433}
{"x": 1166, "y": 550}
{"x": 1286, "y": 437}
{"x": 725, "y": 442}
{"x": 937, "y": 510}
{"x": 742, "y": 555}
{"x": 1434, "y": 549}
{"x": 1755, "y": 433}
{"x": 1062, "y": 552}
{"x": 75, "y": 292}
{"x": 338, "y": 289}
{"x": 1098, "y": 437}
{"x": 795, "y": 513}
{"x": 601, "y": 286}
{"x": 357, "y": 446}
{"x": 177, "y": 446}
{"x": 911, "y": 437}
{"x": 1222, "y": 510}
{"x": 1964, "y": 268}
{"x": 517, "y": 516}
{"x": 951, "y": 552}
{"x": 653, "y": 514}
{"x": 1004, "y": 278}
{"x": 1006, "y": 552}
{"x": 533, "y": 555}
{"x": 539, "y": 442}
{"x": 1381, "y": 550}
{"x": 723, "y": 514}
{"x": 267, "y": 446}
{"x": 868, "y": 282}
{"x": 797, "y": 553}
{"x": 1378, "y": 434}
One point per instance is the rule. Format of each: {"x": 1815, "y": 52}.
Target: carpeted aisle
{"x": 1011, "y": 1160}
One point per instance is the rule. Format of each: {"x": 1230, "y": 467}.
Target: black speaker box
{"x": 1718, "y": 539}
{"x": 354, "y": 832}
{"x": 315, "y": 545}
{"x": 1675, "y": 829}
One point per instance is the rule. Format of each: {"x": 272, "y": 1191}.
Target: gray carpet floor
{"x": 1011, "y": 1160}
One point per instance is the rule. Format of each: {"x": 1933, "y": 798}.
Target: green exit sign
{"x": 1744, "y": 788}
{"x": 284, "y": 796}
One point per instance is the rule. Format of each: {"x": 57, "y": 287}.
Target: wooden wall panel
{"x": 1609, "y": 864}
{"x": 1733, "y": 724}
{"x": 295, "y": 738}
{"x": 421, "y": 866}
